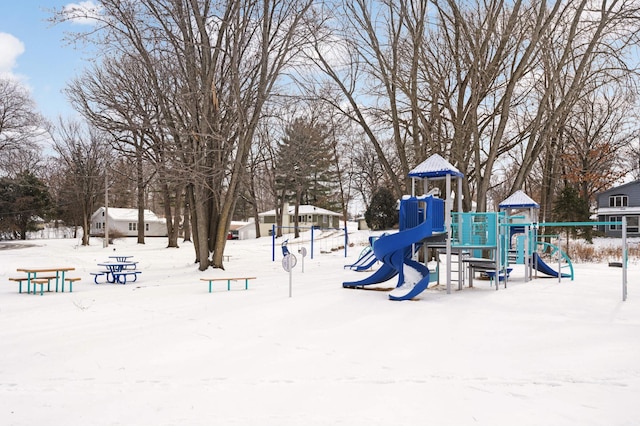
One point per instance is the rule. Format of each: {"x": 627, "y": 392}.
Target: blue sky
{"x": 33, "y": 51}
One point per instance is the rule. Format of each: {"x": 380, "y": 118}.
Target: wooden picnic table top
{"x": 46, "y": 269}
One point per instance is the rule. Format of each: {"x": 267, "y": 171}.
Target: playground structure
{"x": 523, "y": 229}
{"x": 421, "y": 220}
{"x": 481, "y": 241}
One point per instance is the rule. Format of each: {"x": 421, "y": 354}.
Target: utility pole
{"x": 105, "y": 243}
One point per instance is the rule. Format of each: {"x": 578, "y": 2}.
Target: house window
{"x": 632, "y": 224}
{"x": 618, "y": 201}
{"x": 146, "y": 227}
{"x": 98, "y": 225}
{"x": 133, "y": 226}
{"x": 325, "y": 219}
{"x": 613, "y": 227}
{"x": 102, "y": 225}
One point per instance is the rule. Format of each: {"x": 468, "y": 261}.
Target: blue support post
{"x": 346, "y": 239}
{"x": 312, "y": 241}
{"x": 273, "y": 243}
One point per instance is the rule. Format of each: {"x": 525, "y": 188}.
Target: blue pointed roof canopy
{"x": 434, "y": 167}
{"x": 519, "y": 200}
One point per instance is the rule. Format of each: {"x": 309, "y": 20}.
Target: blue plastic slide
{"x": 543, "y": 267}
{"x": 366, "y": 261}
{"x": 395, "y": 251}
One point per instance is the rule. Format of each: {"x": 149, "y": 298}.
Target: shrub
{"x": 382, "y": 212}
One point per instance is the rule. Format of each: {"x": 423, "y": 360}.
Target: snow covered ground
{"x": 164, "y": 351}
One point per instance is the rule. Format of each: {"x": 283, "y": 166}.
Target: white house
{"x": 242, "y": 230}
{"x": 308, "y": 216}
{"x": 125, "y": 222}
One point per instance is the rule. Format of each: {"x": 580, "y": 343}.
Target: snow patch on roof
{"x": 131, "y": 215}
{"x": 518, "y": 200}
{"x": 433, "y": 167}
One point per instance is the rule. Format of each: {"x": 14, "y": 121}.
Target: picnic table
{"x": 32, "y": 274}
{"x": 121, "y": 258}
{"x": 117, "y": 272}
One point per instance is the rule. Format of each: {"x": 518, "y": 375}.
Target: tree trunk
{"x": 202, "y": 232}
{"x": 186, "y": 215}
{"x": 140, "y": 187}
{"x": 296, "y": 214}
{"x": 86, "y": 221}
{"x": 172, "y": 231}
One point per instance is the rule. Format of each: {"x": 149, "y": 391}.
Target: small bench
{"x": 20, "y": 279}
{"x": 98, "y": 274}
{"x": 132, "y": 267}
{"x": 228, "y": 280}
{"x": 41, "y": 282}
{"x": 71, "y": 280}
{"x": 116, "y": 276}
{"x": 121, "y": 277}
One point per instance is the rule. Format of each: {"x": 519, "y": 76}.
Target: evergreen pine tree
{"x": 22, "y": 200}
{"x": 382, "y": 212}
{"x": 571, "y": 207}
{"x": 304, "y": 164}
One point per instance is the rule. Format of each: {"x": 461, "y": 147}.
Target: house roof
{"x": 434, "y": 167}
{"x": 519, "y": 200}
{"x": 237, "y": 225}
{"x": 303, "y": 209}
{"x": 118, "y": 213}
{"x": 618, "y": 188}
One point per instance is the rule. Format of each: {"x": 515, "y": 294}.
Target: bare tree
{"x": 20, "y": 123}
{"x": 84, "y": 155}
{"x": 597, "y": 131}
{"x": 219, "y": 63}
{"x": 115, "y": 96}
{"x": 584, "y": 50}
{"x": 21, "y": 126}
{"x": 364, "y": 47}
{"x": 474, "y": 81}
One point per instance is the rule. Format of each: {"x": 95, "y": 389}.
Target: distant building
{"x": 125, "y": 222}
{"x": 241, "y": 230}
{"x": 308, "y": 216}
{"x": 614, "y": 203}
{"x": 362, "y": 224}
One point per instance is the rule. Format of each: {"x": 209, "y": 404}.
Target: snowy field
{"x": 164, "y": 351}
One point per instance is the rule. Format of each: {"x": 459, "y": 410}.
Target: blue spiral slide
{"x": 395, "y": 252}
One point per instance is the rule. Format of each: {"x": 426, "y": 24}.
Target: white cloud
{"x": 83, "y": 13}
{"x": 10, "y": 48}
